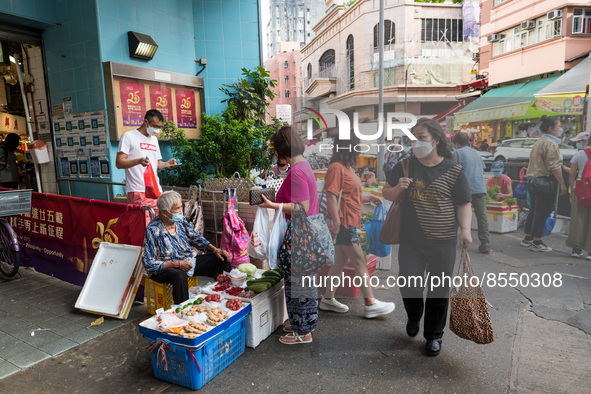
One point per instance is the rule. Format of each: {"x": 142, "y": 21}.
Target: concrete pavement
{"x": 542, "y": 344}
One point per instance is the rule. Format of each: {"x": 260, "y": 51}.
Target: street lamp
{"x": 412, "y": 74}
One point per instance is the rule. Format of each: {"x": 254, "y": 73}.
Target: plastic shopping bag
{"x": 277, "y": 232}
{"x": 258, "y": 244}
{"x": 373, "y": 228}
{"x": 152, "y": 189}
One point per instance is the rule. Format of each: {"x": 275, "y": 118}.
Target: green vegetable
{"x": 186, "y": 306}
{"x": 280, "y": 271}
{"x": 272, "y": 273}
{"x": 178, "y": 310}
{"x": 374, "y": 184}
{"x": 493, "y": 191}
{"x": 510, "y": 201}
{"x": 248, "y": 269}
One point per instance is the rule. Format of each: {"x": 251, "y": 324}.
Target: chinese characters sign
{"x": 133, "y": 103}
{"x": 185, "y": 109}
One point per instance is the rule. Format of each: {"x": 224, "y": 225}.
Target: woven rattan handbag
{"x": 469, "y": 317}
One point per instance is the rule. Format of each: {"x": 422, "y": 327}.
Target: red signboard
{"x": 185, "y": 109}
{"x": 161, "y": 99}
{"x": 133, "y": 103}
{"x": 61, "y": 235}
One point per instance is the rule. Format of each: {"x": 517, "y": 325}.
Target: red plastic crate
{"x": 353, "y": 291}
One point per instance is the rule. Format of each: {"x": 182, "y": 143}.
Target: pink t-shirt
{"x": 299, "y": 185}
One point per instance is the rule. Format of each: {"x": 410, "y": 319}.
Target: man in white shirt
{"x": 138, "y": 149}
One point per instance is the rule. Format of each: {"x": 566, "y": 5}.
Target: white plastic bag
{"x": 258, "y": 243}
{"x": 276, "y": 237}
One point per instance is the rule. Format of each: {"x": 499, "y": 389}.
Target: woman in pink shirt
{"x": 298, "y": 187}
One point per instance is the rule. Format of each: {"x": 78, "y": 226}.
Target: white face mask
{"x": 152, "y": 131}
{"x": 422, "y": 148}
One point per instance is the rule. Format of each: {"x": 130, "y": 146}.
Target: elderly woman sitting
{"x": 168, "y": 255}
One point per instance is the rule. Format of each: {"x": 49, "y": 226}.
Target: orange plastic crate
{"x": 159, "y": 295}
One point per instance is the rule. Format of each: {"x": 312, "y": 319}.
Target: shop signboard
{"x": 185, "y": 109}
{"x": 506, "y": 112}
{"x": 61, "y": 235}
{"x": 161, "y": 99}
{"x": 133, "y": 103}
{"x": 283, "y": 112}
{"x": 571, "y": 104}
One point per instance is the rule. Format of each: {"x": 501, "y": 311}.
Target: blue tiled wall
{"x": 37, "y": 10}
{"x": 227, "y": 35}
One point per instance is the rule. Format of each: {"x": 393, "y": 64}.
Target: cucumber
{"x": 272, "y": 273}
{"x": 280, "y": 272}
{"x": 272, "y": 281}
{"x": 259, "y": 288}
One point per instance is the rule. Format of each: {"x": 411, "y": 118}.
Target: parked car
{"x": 520, "y": 148}
{"x": 487, "y": 158}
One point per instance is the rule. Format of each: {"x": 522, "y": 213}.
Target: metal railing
{"x": 107, "y": 184}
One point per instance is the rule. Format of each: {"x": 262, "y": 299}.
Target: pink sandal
{"x": 293, "y": 338}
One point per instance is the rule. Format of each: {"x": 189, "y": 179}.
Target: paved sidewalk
{"x": 542, "y": 345}
{"x": 38, "y": 320}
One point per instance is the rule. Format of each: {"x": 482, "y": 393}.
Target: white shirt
{"x": 135, "y": 145}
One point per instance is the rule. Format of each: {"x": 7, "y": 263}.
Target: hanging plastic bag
{"x": 152, "y": 189}
{"x": 258, "y": 244}
{"x": 234, "y": 236}
{"x": 373, "y": 228}
{"x": 520, "y": 191}
{"x": 276, "y": 238}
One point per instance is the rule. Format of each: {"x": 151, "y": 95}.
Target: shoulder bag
{"x": 390, "y": 234}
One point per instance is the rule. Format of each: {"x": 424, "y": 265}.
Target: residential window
{"x": 582, "y": 21}
{"x": 497, "y": 2}
{"x": 309, "y": 69}
{"x": 449, "y": 30}
{"x": 351, "y": 61}
{"x": 286, "y": 64}
{"x": 286, "y": 93}
{"x": 326, "y": 64}
{"x": 389, "y": 36}
{"x": 388, "y": 77}
{"x": 287, "y": 79}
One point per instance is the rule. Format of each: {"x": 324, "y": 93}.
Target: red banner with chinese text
{"x": 61, "y": 235}
{"x": 161, "y": 99}
{"x": 133, "y": 103}
{"x": 185, "y": 109}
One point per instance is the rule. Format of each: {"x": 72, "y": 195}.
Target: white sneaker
{"x": 588, "y": 257}
{"x": 578, "y": 253}
{"x": 332, "y": 305}
{"x": 378, "y": 308}
{"x": 541, "y": 247}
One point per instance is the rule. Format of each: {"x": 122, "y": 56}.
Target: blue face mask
{"x": 177, "y": 217}
{"x": 366, "y": 172}
{"x": 497, "y": 173}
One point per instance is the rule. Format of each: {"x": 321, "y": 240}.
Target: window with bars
{"x": 326, "y": 64}
{"x": 449, "y": 30}
{"x": 286, "y": 93}
{"x": 389, "y": 36}
{"x": 515, "y": 38}
{"x": 351, "y": 61}
{"x": 581, "y": 21}
{"x": 287, "y": 79}
{"x": 286, "y": 64}
{"x": 309, "y": 69}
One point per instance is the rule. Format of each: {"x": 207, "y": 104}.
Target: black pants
{"x": 205, "y": 265}
{"x": 540, "y": 208}
{"x": 437, "y": 261}
{"x": 10, "y": 185}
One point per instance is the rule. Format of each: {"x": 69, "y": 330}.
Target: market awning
{"x": 566, "y": 95}
{"x": 502, "y": 103}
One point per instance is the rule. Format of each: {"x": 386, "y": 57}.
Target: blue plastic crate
{"x": 194, "y": 366}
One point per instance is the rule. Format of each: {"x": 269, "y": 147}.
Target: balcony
{"x": 322, "y": 84}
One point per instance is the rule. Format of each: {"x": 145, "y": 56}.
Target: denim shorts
{"x": 347, "y": 236}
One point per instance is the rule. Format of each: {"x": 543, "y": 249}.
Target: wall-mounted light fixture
{"x": 141, "y": 46}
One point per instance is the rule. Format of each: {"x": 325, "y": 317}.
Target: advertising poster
{"x": 73, "y": 168}
{"x": 95, "y": 167}
{"x": 83, "y": 167}
{"x": 133, "y": 103}
{"x": 161, "y": 99}
{"x": 105, "y": 168}
{"x": 185, "y": 109}
{"x": 65, "y": 167}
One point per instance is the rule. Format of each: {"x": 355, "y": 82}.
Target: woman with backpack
{"x": 579, "y": 236}
{"x": 299, "y": 186}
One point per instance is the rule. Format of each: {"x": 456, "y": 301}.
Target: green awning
{"x": 502, "y": 103}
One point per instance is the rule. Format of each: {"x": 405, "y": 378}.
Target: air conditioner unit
{"x": 492, "y": 38}
{"x": 476, "y": 56}
{"x": 528, "y": 25}
{"x": 556, "y": 14}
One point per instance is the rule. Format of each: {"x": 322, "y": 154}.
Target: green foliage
{"x": 250, "y": 94}
{"x": 192, "y": 168}
{"x": 510, "y": 201}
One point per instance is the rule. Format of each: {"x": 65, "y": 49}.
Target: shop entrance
{"x": 24, "y": 110}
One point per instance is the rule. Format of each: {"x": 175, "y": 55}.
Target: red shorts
{"x": 139, "y": 198}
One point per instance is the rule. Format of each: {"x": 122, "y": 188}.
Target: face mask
{"x": 497, "y": 173}
{"x": 366, "y": 172}
{"x": 422, "y": 148}
{"x": 283, "y": 172}
{"x": 152, "y": 131}
{"x": 177, "y": 217}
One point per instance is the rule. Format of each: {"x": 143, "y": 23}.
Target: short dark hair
{"x": 461, "y": 139}
{"x": 433, "y": 127}
{"x": 547, "y": 122}
{"x": 287, "y": 144}
{"x": 344, "y": 151}
{"x": 154, "y": 113}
